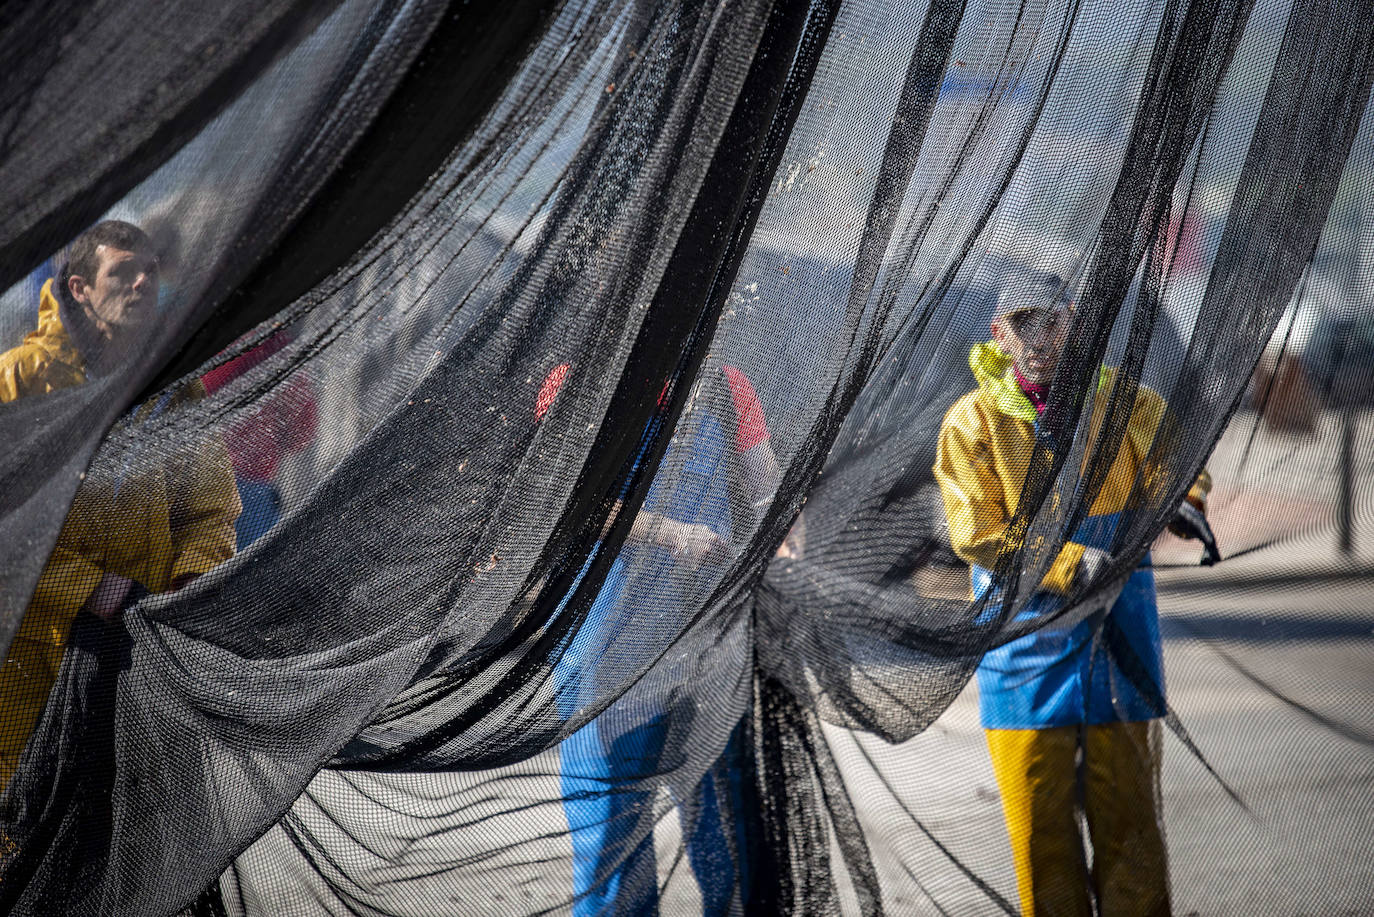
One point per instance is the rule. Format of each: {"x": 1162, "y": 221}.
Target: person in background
{"x": 279, "y": 425}
{"x": 1063, "y": 721}
{"x": 155, "y": 526}
{"x": 728, "y": 476}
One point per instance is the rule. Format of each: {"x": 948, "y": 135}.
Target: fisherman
{"x": 157, "y": 526}
{"x": 725, "y": 471}
{"x": 1061, "y": 691}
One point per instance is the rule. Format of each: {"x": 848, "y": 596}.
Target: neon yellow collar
{"x": 992, "y": 368}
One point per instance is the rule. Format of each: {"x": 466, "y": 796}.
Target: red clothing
{"x": 750, "y": 428}
{"x": 1034, "y": 393}
{"x": 282, "y": 423}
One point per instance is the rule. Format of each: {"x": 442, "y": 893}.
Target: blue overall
{"x": 601, "y": 762}
{"x": 1060, "y": 675}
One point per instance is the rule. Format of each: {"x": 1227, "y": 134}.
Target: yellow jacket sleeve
{"x": 11, "y": 381}
{"x": 1197, "y": 494}
{"x": 975, "y": 504}
{"x": 1150, "y": 421}
{"x": 68, "y": 580}
{"x": 1065, "y": 567}
{"x": 26, "y": 371}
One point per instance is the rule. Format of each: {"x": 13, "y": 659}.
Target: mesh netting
{"x": 631, "y": 457}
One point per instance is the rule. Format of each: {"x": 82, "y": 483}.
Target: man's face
{"x": 122, "y": 296}
{"x": 1033, "y": 338}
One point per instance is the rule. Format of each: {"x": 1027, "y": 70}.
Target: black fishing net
{"x": 575, "y": 457}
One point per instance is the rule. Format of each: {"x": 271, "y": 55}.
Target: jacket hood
{"x": 992, "y": 368}
{"x": 51, "y": 335}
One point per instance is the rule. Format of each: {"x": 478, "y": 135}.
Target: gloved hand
{"x": 692, "y": 540}
{"x": 1190, "y": 522}
{"x": 1096, "y": 597}
{"x": 1090, "y": 568}
{"x": 107, "y": 601}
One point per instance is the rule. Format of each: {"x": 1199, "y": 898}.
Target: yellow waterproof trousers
{"x": 1037, "y": 774}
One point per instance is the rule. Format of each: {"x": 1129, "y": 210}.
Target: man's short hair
{"x": 82, "y": 260}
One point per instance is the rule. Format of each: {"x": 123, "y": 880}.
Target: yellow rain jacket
{"x": 1056, "y": 675}
{"x": 162, "y": 521}
{"x": 984, "y": 453}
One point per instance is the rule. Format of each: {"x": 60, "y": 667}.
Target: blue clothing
{"x": 602, "y": 762}
{"x": 1063, "y": 675}
{"x": 699, "y": 496}
{"x": 604, "y": 812}
{"x": 261, "y": 510}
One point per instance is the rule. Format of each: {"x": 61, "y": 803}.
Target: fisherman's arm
{"x": 975, "y": 504}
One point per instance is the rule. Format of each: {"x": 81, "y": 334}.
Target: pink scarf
{"x": 1036, "y": 393}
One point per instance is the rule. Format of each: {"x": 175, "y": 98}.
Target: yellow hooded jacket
{"x": 984, "y": 453}
{"x": 168, "y": 519}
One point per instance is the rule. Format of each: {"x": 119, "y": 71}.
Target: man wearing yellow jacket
{"x": 1046, "y": 694}
{"x": 159, "y": 524}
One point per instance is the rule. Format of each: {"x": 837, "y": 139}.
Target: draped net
{"x": 520, "y": 340}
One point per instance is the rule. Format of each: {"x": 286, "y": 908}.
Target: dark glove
{"x": 1189, "y": 522}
